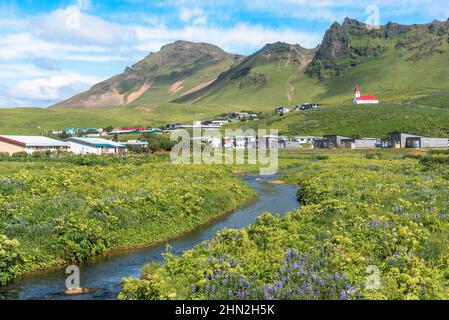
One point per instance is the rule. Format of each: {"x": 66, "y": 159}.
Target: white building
{"x": 95, "y": 146}
{"x": 30, "y": 144}
{"x": 359, "y": 99}
{"x": 282, "y": 110}
{"x": 306, "y": 139}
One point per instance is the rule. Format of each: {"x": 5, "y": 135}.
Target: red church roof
{"x": 368, "y": 98}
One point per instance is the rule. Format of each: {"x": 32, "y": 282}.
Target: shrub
{"x": 9, "y": 259}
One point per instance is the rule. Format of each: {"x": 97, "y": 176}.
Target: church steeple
{"x": 357, "y": 92}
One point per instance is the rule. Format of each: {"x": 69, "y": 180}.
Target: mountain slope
{"x": 265, "y": 78}
{"x": 393, "y": 62}
{"x": 178, "y": 68}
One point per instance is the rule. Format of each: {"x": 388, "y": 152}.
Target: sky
{"x": 52, "y": 50}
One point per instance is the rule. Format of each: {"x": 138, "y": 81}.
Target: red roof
{"x": 133, "y": 129}
{"x": 357, "y": 89}
{"x": 368, "y": 98}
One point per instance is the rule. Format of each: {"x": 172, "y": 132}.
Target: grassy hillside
{"x": 262, "y": 80}
{"x": 397, "y": 63}
{"x": 36, "y": 121}
{"x": 175, "y": 70}
{"x": 419, "y": 117}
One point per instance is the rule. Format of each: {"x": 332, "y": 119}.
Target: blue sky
{"x": 51, "y": 50}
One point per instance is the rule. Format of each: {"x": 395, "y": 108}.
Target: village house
{"x": 306, "y": 106}
{"x": 306, "y": 139}
{"x": 132, "y": 144}
{"x": 359, "y": 99}
{"x": 424, "y": 142}
{"x": 282, "y": 110}
{"x": 397, "y": 140}
{"x": 290, "y": 144}
{"x": 97, "y": 146}
{"x": 363, "y": 143}
{"x": 173, "y": 126}
{"x": 220, "y": 122}
{"x": 241, "y": 115}
{"x": 127, "y": 131}
{"x": 330, "y": 142}
{"x": 240, "y": 142}
{"x": 30, "y": 144}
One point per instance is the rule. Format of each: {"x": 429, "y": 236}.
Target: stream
{"x": 104, "y": 273}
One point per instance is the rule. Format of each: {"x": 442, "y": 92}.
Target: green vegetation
{"x": 400, "y": 64}
{"x": 361, "y": 211}
{"x": 363, "y": 120}
{"x": 59, "y": 209}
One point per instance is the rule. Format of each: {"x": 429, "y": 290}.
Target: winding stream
{"x": 105, "y": 273}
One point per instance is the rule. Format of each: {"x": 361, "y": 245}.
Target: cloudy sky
{"x": 51, "y": 50}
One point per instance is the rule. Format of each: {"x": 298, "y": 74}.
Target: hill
{"x": 264, "y": 79}
{"x": 177, "y": 69}
{"x": 394, "y": 62}
{"x": 191, "y": 81}
{"x": 425, "y": 116}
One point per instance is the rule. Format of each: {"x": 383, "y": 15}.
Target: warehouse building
{"x": 330, "y": 142}
{"x": 30, "y": 144}
{"x": 364, "y": 143}
{"x": 423, "y": 142}
{"x": 95, "y": 146}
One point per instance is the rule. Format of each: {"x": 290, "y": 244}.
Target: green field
{"x": 363, "y": 214}
{"x": 365, "y": 121}
{"x": 90, "y": 205}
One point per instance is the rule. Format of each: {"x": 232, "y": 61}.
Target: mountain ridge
{"x": 383, "y": 60}
{"x": 175, "y": 61}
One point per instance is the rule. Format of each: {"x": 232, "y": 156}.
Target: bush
{"x": 134, "y": 289}
{"x": 80, "y": 239}
{"x": 9, "y": 259}
{"x": 158, "y": 142}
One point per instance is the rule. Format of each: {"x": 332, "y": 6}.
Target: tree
{"x": 158, "y": 142}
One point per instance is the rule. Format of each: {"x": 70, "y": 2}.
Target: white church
{"x": 359, "y": 99}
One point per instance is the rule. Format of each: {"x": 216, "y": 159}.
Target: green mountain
{"x": 271, "y": 73}
{"x": 404, "y": 65}
{"x": 176, "y": 70}
{"x": 393, "y": 61}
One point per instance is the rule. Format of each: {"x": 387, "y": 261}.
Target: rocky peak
{"x": 439, "y": 26}
{"x": 335, "y": 43}
{"x": 353, "y": 24}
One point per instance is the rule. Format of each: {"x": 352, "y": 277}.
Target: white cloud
{"x": 19, "y": 71}
{"x": 56, "y": 87}
{"x": 234, "y": 39}
{"x": 83, "y": 5}
{"x": 195, "y": 16}
{"x": 73, "y": 26}
{"x": 73, "y": 34}
{"x": 26, "y": 45}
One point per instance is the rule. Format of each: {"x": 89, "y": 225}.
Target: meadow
{"x": 55, "y": 210}
{"x": 373, "y": 225}
{"x": 417, "y": 117}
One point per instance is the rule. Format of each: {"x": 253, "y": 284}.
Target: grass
{"x": 413, "y": 93}
{"x": 364, "y": 120}
{"x": 359, "y": 210}
{"x": 90, "y": 205}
